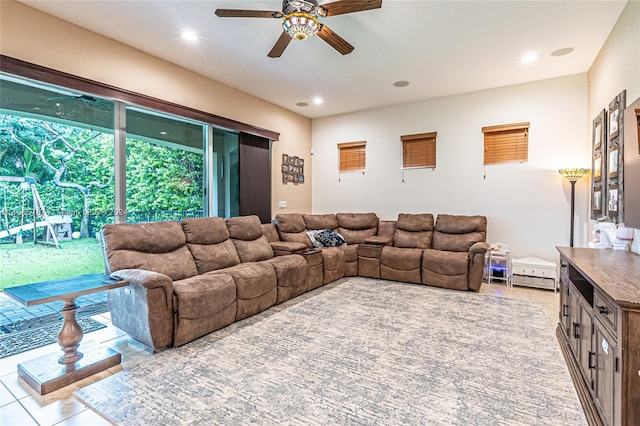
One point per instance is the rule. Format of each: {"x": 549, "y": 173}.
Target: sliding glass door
{"x": 164, "y": 167}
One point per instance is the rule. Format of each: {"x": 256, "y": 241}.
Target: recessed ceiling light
{"x": 189, "y": 35}
{"x": 401, "y": 83}
{"x": 528, "y": 58}
{"x": 317, "y": 101}
{"x": 562, "y": 52}
{"x": 302, "y": 104}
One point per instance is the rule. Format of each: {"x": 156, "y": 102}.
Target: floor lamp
{"x": 573, "y": 175}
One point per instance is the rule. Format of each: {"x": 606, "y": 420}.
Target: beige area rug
{"x": 363, "y": 352}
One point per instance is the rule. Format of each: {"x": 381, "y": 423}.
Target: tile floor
{"x": 21, "y": 405}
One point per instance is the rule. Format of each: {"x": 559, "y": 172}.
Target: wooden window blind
{"x": 508, "y": 143}
{"x": 419, "y": 150}
{"x": 353, "y": 156}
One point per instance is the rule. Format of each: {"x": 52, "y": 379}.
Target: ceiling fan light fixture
{"x": 300, "y": 25}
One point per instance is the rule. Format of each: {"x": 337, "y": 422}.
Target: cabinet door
{"x": 585, "y": 354}
{"x": 574, "y": 321}
{"x": 604, "y": 373}
{"x": 564, "y": 313}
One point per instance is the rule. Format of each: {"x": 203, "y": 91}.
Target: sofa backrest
{"x": 458, "y": 233}
{"x": 246, "y": 234}
{"x": 269, "y": 230}
{"x": 292, "y": 228}
{"x": 159, "y": 247}
{"x": 357, "y": 227}
{"x": 209, "y": 243}
{"x": 387, "y": 228}
{"x": 320, "y": 221}
{"x": 414, "y": 231}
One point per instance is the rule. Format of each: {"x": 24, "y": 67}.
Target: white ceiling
{"x": 441, "y": 47}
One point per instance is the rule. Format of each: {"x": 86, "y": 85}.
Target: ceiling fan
{"x": 300, "y": 20}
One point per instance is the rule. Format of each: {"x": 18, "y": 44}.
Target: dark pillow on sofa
{"x": 329, "y": 238}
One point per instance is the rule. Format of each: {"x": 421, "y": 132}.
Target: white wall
{"x": 527, "y": 205}
{"x": 617, "y": 68}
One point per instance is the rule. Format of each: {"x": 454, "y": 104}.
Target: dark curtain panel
{"x": 255, "y": 176}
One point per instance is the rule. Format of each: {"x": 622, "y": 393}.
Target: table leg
{"x": 70, "y": 335}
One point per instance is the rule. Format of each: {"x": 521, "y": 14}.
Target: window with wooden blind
{"x": 419, "y": 150}
{"x": 507, "y": 143}
{"x": 353, "y": 156}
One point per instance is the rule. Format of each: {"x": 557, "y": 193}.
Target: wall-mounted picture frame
{"x": 614, "y": 127}
{"x": 612, "y": 166}
{"x": 292, "y": 169}
{"x": 597, "y": 167}
{"x": 597, "y": 132}
{"x": 597, "y": 201}
{"x": 613, "y": 160}
{"x": 614, "y": 199}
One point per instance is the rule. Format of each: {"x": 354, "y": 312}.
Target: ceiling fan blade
{"x": 240, "y": 13}
{"x": 280, "y": 45}
{"x": 349, "y": 6}
{"x": 335, "y": 40}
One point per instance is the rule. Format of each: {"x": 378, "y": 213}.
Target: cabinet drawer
{"x": 534, "y": 271}
{"x": 538, "y": 282}
{"x": 606, "y": 311}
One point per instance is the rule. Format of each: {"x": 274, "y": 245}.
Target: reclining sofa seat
{"x": 456, "y": 258}
{"x": 356, "y": 228}
{"x": 403, "y": 260}
{"x": 167, "y": 302}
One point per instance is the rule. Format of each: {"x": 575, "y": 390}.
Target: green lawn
{"x": 29, "y": 263}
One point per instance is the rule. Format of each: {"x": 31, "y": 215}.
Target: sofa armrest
{"x": 144, "y": 278}
{"x": 476, "y": 264}
{"x": 144, "y": 309}
{"x": 282, "y": 248}
{"x": 479, "y": 247}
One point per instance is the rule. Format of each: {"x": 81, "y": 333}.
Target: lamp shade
{"x": 300, "y": 25}
{"x": 573, "y": 175}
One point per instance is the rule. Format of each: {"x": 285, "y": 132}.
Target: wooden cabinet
{"x": 598, "y": 331}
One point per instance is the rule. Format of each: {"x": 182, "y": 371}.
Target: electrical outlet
{"x": 282, "y": 204}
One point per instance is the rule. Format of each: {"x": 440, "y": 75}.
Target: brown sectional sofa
{"x": 193, "y": 277}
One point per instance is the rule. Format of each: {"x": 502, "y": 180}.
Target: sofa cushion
{"x": 413, "y": 231}
{"x": 291, "y": 276}
{"x": 205, "y": 230}
{"x": 458, "y": 233}
{"x": 209, "y": 257}
{"x": 158, "y": 247}
{"x": 209, "y": 243}
{"x": 254, "y": 251}
{"x": 402, "y": 259}
{"x": 255, "y": 287}
{"x": 246, "y": 234}
{"x": 320, "y": 221}
{"x": 290, "y": 222}
{"x": 291, "y": 228}
{"x": 203, "y": 295}
{"x": 357, "y": 227}
{"x": 245, "y": 228}
{"x": 446, "y": 269}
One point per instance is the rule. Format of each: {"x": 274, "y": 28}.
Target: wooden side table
{"x": 46, "y": 374}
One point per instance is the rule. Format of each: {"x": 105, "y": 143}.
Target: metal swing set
{"x": 38, "y": 212}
